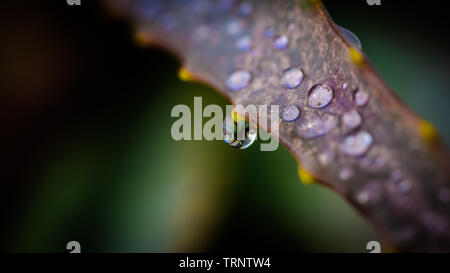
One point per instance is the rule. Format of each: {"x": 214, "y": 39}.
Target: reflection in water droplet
{"x": 244, "y": 43}
{"x": 314, "y": 126}
{"x": 361, "y": 97}
{"x": 350, "y": 37}
{"x": 357, "y": 144}
{"x": 238, "y": 80}
{"x": 344, "y": 86}
{"x": 320, "y": 96}
{"x": 270, "y": 31}
{"x": 351, "y": 119}
{"x": 290, "y": 113}
{"x": 233, "y": 130}
{"x": 292, "y": 77}
{"x": 281, "y": 42}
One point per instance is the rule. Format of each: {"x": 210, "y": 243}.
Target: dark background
{"x": 85, "y": 154}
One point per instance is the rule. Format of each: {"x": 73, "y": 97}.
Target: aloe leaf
{"x": 352, "y": 133}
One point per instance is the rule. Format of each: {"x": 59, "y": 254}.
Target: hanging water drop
{"x": 238, "y": 80}
{"x": 357, "y": 144}
{"x": 350, "y": 37}
{"x": 292, "y": 77}
{"x": 320, "y": 96}
{"x": 238, "y": 134}
{"x": 290, "y": 113}
{"x": 281, "y": 42}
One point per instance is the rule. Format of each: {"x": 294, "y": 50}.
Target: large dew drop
{"x": 238, "y": 134}
{"x": 238, "y": 80}
{"x": 357, "y": 144}
{"x": 320, "y": 96}
{"x": 292, "y": 77}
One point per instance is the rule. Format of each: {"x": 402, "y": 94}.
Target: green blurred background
{"x": 87, "y": 152}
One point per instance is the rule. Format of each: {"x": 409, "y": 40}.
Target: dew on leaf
{"x": 244, "y": 43}
{"x": 320, "y": 96}
{"x": 357, "y": 144}
{"x": 290, "y": 113}
{"x": 316, "y": 126}
{"x": 238, "y": 80}
{"x": 292, "y": 77}
{"x": 361, "y": 97}
{"x": 281, "y": 42}
{"x": 351, "y": 119}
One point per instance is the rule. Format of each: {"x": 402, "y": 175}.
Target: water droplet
{"x": 370, "y": 194}
{"x": 351, "y": 119}
{"x": 363, "y": 197}
{"x": 345, "y": 173}
{"x": 291, "y": 26}
{"x": 233, "y": 130}
{"x": 323, "y": 158}
{"x": 396, "y": 175}
{"x": 244, "y": 43}
{"x": 357, "y": 144}
{"x": 281, "y": 42}
{"x": 238, "y": 80}
{"x": 245, "y": 8}
{"x": 314, "y": 126}
{"x": 444, "y": 195}
{"x": 350, "y": 37}
{"x": 404, "y": 186}
{"x": 344, "y": 86}
{"x": 233, "y": 27}
{"x": 292, "y": 77}
{"x": 290, "y": 113}
{"x": 361, "y": 97}
{"x": 270, "y": 31}
{"x": 320, "y": 96}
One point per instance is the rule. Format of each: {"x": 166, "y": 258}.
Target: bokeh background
{"x": 86, "y": 152}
